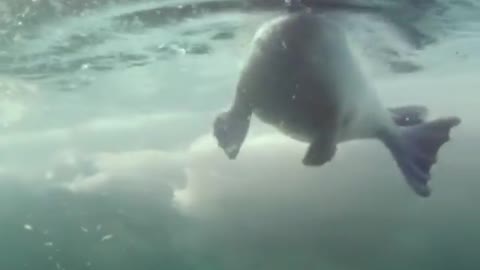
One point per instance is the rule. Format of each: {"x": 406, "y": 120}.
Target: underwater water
{"x": 107, "y": 159}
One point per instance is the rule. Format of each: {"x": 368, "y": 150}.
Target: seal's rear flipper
{"x": 415, "y": 150}
{"x": 409, "y": 115}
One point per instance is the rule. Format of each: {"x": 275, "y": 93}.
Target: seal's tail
{"x": 415, "y": 150}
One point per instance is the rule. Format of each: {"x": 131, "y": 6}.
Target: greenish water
{"x": 107, "y": 159}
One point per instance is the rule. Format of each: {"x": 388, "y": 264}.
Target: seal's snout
{"x": 230, "y": 132}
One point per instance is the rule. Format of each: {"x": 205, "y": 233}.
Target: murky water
{"x": 107, "y": 159}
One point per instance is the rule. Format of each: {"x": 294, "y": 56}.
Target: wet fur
{"x": 302, "y": 78}
{"x": 303, "y": 60}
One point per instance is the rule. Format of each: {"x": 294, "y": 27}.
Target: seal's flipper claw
{"x": 409, "y": 115}
{"x": 415, "y": 150}
{"x": 320, "y": 151}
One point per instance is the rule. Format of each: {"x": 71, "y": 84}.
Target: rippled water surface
{"x": 107, "y": 159}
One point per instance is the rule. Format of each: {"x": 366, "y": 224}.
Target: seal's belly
{"x": 295, "y": 117}
{"x": 299, "y": 76}
{"x": 297, "y": 129}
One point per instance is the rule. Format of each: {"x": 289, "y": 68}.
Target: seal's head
{"x": 230, "y": 131}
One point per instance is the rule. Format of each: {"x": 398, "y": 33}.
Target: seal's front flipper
{"x": 320, "y": 151}
{"x": 415, "y": 150}
{"x": 409, "y": 115}
{"x": 230, "y": 130}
